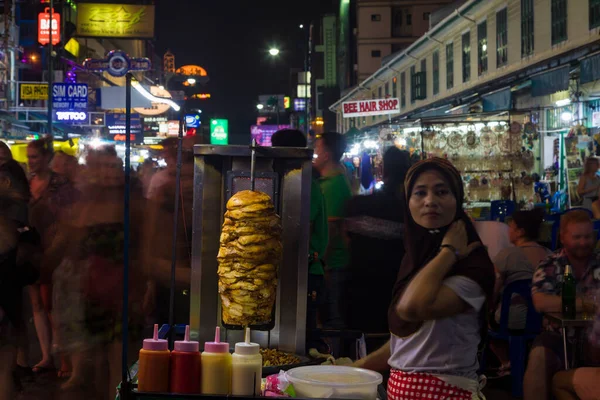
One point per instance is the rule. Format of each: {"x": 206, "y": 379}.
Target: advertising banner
{"x": 365, "y": 108}
{"x": 44, "y": 27}
{"x": 219, "y": 131}
{"x": 192, "y": 121}
{"x": 70, "y": 96}
{"x": 126, "y": 21}
{"x": 33, "y": 91}
{"x": 115, "y": 122}
{"x": 263, "y": 133}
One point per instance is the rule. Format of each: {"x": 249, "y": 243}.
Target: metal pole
{"x": 125, "y": 321}
{"x": 306, "y": 68}
{"x": 50, "y": 73}
{"x": 175, "y": 224}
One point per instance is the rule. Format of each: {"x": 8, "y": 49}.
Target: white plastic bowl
{"x": 324, "y": 381}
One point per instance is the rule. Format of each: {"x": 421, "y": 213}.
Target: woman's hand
{"x": 456, "y": 238}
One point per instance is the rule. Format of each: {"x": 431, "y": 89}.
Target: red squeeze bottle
{"x": 185, "y": 365}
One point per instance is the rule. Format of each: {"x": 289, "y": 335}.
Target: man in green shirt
{"x": 319, "y": 234}
{"x": 329, "y": 149}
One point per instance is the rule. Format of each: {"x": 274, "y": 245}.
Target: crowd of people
{"x": 405, "y": 261}
{"x": 62, "y": 243}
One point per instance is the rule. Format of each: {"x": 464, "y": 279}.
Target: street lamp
{"x": 191, "y": 81}
{"x": 260, "y": 106}
{"x": 274, "y": 51}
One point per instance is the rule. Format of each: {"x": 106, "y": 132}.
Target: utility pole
{"x": 50, "y": 72}
{"x": 306, "y": 80}
{"x": 8, "y": 52}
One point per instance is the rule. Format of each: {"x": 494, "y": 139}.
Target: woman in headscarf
{"x": 437, "y": 309}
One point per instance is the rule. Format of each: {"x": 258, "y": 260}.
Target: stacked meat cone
{"x": 248, "y": 258}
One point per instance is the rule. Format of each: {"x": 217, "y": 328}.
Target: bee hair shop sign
{"x": 365, "y": 108}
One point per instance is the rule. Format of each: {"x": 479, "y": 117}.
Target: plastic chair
{"x": 500, "y": 209}
{"x": 517, "y": 342}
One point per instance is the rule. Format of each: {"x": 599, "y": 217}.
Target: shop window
{"x": 559, "y": 21}
{"x": 527, "y": 43}
{"x": 376, "y": 53}
{"x": 449, "y": 66}
{"x": 387, "y": 90}
{"x": 394, "y": 86}
{"x": 423, "y": 83}
{"x": 403, "y": 90}
{"x": 418, "y": 85}
{"x": 435, "y": 61}
{"x": 482, "y": 48}
{"x": 380, "y": 92}
{"x": 376, "y": 17}
{"x": 426, "y": 16}
{"x": 412, "y": 84}
{"x": 466, "y": 57}
{"x": 501, "y": 38}
{"x": 594, "y": 14}
{"x": 408, "y": 19}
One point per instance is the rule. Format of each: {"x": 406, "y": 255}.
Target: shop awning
{"x": 500, "y": 100}
{"x": 590, "y": 69}
{"x": 433, "y": 112}
{"x": 550, "y": 82}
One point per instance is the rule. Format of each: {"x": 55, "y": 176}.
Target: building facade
{"x": 485, "y": 46}
{"x": 387, "y": 27}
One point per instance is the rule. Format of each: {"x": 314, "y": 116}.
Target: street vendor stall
{"x": 249, "y": 275}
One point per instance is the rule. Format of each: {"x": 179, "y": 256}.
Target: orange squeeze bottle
{"x": 153, "y": 374}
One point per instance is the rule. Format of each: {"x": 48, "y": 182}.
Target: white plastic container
{"x": 324, "y": 381}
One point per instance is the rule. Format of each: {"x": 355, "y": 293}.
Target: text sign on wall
{"x": 70, "y": 96}
{"x": 33, "y": 91}
{"x": 44, "y": 27}
{"x": 364, "y": 108}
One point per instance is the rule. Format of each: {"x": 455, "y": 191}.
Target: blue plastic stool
{"x": 517, "y": 343}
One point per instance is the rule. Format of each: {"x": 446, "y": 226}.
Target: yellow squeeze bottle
{"x": 216, "y": 367}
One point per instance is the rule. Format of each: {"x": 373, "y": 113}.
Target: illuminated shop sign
{"x": 71, "y": 116}
{"x": 44, "y": 27}
{"x": 115, "y": 20}
{"x": 117, "y": 129}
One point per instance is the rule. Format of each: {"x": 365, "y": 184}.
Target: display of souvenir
{"x": 472, "y": 140}
{"x": 488, "y": 138}
{"x": 515, "y": 128}
{"x": 455, "y": 140}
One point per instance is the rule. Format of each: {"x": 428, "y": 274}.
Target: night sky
{"x": 230, "y": 39}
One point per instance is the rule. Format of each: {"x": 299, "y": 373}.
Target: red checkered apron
{"x": 419, "y": 386}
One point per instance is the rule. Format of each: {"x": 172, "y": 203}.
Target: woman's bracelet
{"x": 452, "y": 249}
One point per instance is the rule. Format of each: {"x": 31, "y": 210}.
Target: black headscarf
{"x": 422, "y": 244}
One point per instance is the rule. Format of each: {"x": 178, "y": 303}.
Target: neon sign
{"x": 71, "y": 116}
